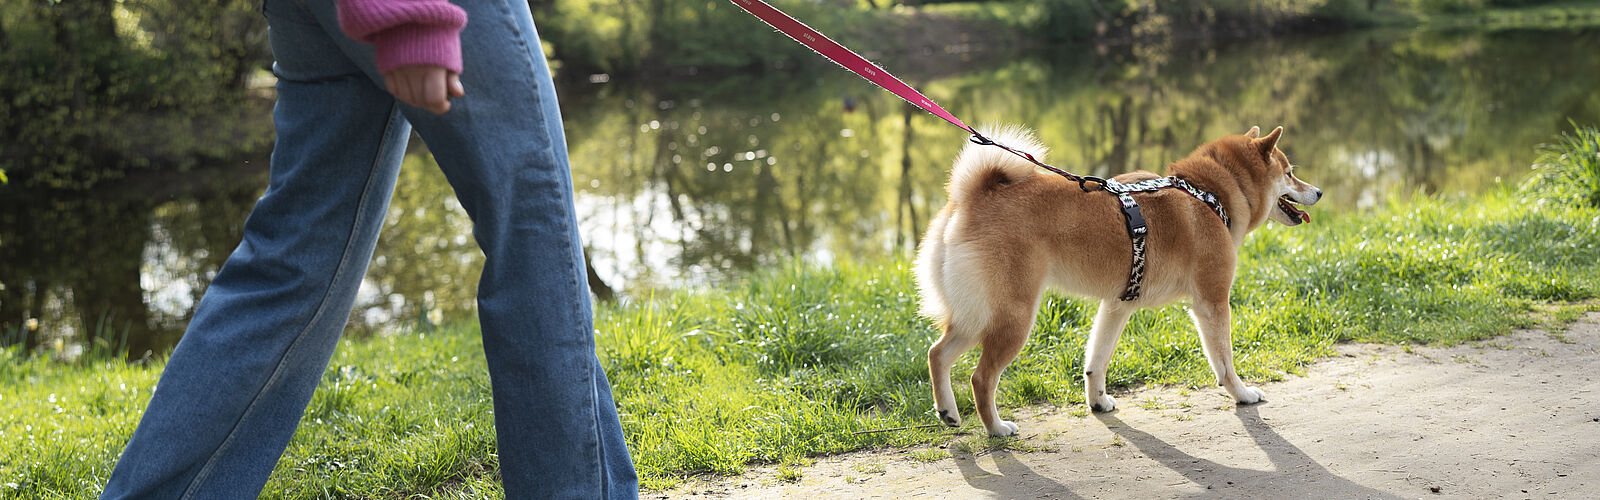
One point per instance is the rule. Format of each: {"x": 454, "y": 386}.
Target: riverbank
{"x": 793, "y": 363}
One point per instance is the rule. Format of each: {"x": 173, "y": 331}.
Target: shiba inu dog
{"x": 1009, "y": 230}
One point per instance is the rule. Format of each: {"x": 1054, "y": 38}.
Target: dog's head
{"x": 1262, "y": 162}
{"x": 1290, "y": 190}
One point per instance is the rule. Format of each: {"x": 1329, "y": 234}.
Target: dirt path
{"x": 1513, "y": 417}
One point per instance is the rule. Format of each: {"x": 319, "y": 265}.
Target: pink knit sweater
{"x": 406, "y": 32}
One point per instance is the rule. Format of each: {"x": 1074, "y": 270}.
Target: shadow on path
{"x": 1293, "y": 474}
{"x": 1015, "y": 480}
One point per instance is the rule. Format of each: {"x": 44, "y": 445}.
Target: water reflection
{"x": 125, "y": 268}
{"x": 117, "y": 268}
{"x": 426, "y": 268}
{"x": 693, "y": 182}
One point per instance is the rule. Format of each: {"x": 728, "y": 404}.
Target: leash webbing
{"x": 844, "y": 57}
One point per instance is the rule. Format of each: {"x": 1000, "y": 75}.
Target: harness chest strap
{"x": 1138, "y": 230}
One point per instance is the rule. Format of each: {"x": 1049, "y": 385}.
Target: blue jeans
{"x": 238, "y": 382}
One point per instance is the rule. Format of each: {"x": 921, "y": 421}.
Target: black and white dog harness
{"x": 1137, "y": 230}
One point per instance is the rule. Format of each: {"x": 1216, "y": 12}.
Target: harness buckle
{"x": 1136, "y": 224}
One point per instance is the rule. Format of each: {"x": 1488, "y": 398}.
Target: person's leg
{"x": 503, "y": 150}
{"x": 237, "y": 384}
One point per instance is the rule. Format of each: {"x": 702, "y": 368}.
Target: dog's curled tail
{"x": 979, "y": 167}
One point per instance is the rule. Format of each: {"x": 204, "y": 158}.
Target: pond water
{"x": 697, "y": 181}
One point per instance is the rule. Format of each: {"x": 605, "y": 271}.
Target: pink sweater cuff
{"x": 406, "y": 32}
{"x": 418, "y": 45}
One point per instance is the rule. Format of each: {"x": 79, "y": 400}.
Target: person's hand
{"x": 426, "y": 87}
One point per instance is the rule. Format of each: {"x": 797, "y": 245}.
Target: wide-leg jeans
{"x": 236, "y": 385}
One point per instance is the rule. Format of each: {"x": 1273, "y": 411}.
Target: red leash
{"x": 860, "y": 66}
{"x": 844, "y": 57}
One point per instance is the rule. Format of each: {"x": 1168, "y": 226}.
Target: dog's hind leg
{"x": 1108, "y": 325}
{"x": 1003, "y": 339}
{"x": 1211, "y": 318}
{"x": 941, "y": 357}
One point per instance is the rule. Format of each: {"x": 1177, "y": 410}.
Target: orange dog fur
{"x": 1009, "y": 230}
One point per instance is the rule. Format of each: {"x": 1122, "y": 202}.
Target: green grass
{"x": 1569, "y": 168}
{"x": 792, "y": 362}
{"x": 928, "y": 455}
{"x": 394, "y": 417}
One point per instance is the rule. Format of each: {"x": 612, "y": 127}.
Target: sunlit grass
{"x": 1569, "y": 166}
{"x": 794, "y": 361}
{"x": 394, "y": 417}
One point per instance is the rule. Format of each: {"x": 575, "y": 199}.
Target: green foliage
{"x": 622, "y": 36}
{"x": 1569, "y": 167}
{"x": 1072, "y": 19}
{"x": 1499, "y": 13}
{"x": 1443, "y": 6}
{"x": 95, "y": 89}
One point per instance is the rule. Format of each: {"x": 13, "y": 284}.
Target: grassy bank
{"x": 791, "y": 363}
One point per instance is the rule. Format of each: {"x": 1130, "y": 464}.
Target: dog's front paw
{"x": 1249, "y": 396}
{"x": 1102, "y": 403}
{"x": 951, "y": 418}
{"x": 1003, "y": 428}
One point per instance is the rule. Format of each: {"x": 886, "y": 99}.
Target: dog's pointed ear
{"x": 1265, "y": 144}
{"x": 1254, "y": 132}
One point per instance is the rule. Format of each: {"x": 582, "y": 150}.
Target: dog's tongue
{"x": 1292, "y": 211}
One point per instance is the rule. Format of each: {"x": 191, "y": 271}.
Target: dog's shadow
{"x": 1293, "y": 473}
{"x": 1015, "y": 480}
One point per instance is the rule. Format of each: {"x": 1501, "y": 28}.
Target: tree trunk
{"x": 5, "y": 40}
{"x": 601, "y": 290}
